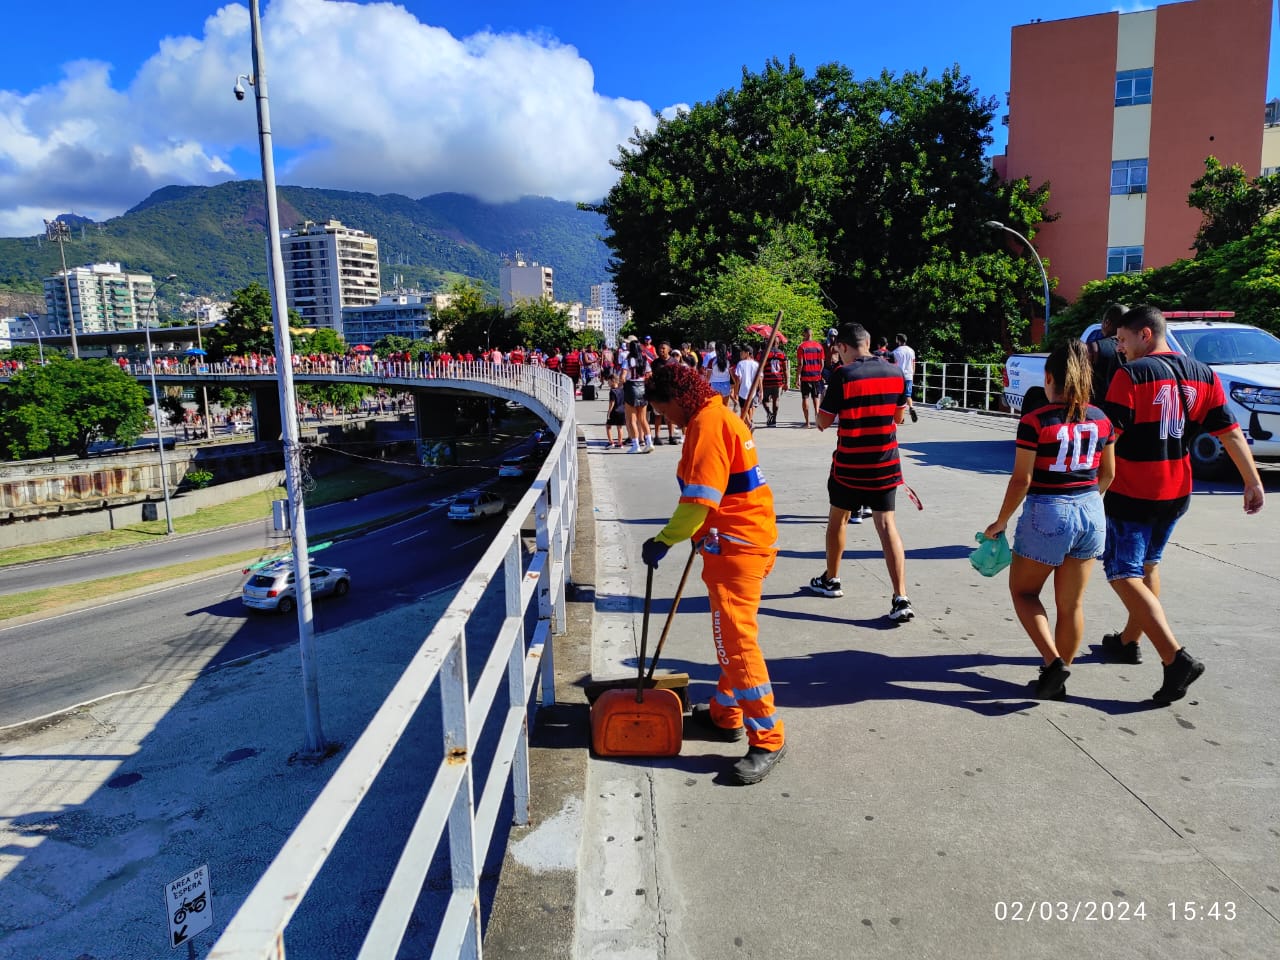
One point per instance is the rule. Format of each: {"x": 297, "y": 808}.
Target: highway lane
{"x": 169, "y": 551}
{"x": 54, "y": 663}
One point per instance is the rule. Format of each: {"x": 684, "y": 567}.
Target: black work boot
{"x": 707, "y": 729}
{"x": 757, "y": 764}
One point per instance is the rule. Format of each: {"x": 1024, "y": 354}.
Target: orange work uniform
{"x": 719, "y": 469}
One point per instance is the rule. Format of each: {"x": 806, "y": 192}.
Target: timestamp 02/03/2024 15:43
{"x": 1085, "y": 911}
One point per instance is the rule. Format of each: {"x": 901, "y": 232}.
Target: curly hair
{"x": 682, "y": 384}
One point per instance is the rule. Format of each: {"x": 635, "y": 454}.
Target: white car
{"x": 476, "y": 506}
{"x": 272, "y": 587}
{"x": 516, "y": 466}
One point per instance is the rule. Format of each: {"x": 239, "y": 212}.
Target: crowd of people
{"x": 1101, "y": 471}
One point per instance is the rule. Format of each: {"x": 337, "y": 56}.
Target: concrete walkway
{"x": 927, "y": 806}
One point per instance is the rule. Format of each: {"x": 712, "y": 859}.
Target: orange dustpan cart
{"x": 639, "y": 720}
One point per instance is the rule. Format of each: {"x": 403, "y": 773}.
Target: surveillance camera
{"x": 239, "y": 90}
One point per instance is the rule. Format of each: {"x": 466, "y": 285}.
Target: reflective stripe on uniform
{"x": 698, "y": 491}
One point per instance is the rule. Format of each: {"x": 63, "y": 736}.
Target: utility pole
{"x": 60, "y": 233}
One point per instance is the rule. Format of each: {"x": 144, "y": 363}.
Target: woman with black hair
{"x": 634, "y": 372}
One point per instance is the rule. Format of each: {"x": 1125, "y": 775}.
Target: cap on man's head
{"x": 852, "y": 334}
{"x": 648, "y": 339}
{"x": 832, "y": 332}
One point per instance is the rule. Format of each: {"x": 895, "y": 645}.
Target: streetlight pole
{"x": 39, "y": 342}
{"x": 204, "y": 390}
{"x": 155, "y": 407}
{"x": 60, "y": 233}
{"x": 997, "y": 225}
{"x": 288, "y": 401}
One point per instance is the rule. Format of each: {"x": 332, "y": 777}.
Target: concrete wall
{"x": 99, "y": 521}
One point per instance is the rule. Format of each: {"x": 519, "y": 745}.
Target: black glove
{"x": 653, "y": 551}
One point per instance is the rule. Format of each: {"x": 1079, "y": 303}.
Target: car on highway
{"x": 516, "y": 466}
{"x": 272, "y": 587}
{"x": 476, "y": 505}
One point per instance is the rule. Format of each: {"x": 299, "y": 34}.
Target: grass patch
{"x": 53, "y": 598}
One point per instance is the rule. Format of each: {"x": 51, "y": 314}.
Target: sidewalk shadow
{"x": 975, "y": 456}
{"x": 848, "y": 677}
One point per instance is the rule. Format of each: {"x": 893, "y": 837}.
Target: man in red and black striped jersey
{"x": 1158, "y": 401}
{"x": 867, "y": 399}
{"x": 773, "y": 380}
{"x": 810, "y": 356}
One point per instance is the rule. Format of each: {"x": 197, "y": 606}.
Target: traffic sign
{"x": 189, "y": 905}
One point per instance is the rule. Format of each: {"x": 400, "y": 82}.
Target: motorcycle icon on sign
{"x": 194, "y": 906}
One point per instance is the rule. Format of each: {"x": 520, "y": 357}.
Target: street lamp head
{"x": 994, "y": 225}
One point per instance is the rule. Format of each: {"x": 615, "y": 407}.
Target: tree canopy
{"x": 875, "y": 192}
{"x": 1232, "y": 205}
{"x": 66, "y": 406}
{"x": 1241, "y": 275}
{"x": 247, "y": 328}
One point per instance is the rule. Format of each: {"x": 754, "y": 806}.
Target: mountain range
{"x": 213, "y": 238}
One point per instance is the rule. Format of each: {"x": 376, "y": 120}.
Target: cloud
{"x": 362, "y": 97}
{"x": 1133, "y": 6}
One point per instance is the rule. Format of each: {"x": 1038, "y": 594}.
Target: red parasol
{"x": 763, "y": 330}
{"x": 362, "y": 348}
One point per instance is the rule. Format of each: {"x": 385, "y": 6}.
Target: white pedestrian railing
{"x": 972, "y": 386}
{"x": 523, "y": 665}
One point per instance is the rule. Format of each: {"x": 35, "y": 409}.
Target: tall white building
{"x": 328, "y": 267}
{"x": 604, "y": 297}
{"x": 103, "y": 298}
{"x": 519, "y": 280}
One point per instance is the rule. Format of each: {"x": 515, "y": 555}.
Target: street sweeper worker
{"x": 726, "y": 508}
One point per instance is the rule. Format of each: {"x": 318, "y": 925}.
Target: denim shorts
{"x": 1052, "y": 528}
{"x": 1132, "y": 545}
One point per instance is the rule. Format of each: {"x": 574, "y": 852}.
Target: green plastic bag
{"x": 992, "y": 556}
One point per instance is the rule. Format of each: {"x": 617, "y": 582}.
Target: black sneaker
{"x": 1117, "y": 651}
{"x": 757, "y": 764}
{"x": 1053, "y": 680}
{"x": 1182, "y": 673}
{"x": 866, "y": 513}
{"x": 700, "y": 720}
{"x": 901, "y": 610}
{"x": 826, "y": 586}
{"x": 657, "y": 441}
{"x": 914, "y": 416}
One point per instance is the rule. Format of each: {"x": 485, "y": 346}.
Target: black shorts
{"x": 851, "y": 498}
{"x": 771, "y": 393}
{"x": 633, "y": 393}
{"x": 616, "y": 419}
{"x": 811, "y": 388}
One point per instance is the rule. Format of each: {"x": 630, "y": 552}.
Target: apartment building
{"x": 1117, "y": 111}
{"x": 103, "y": 298}
{"x": 520, "y": 280}
{"x": 403, "y": 313}
{"x": 327, "y": 268}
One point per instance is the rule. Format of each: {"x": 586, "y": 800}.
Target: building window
{"x": 1124, "y": 260}
{"x": 1133, "y": 87}
{"x": 1129, "y": 176}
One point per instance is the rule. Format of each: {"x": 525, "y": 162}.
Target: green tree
{"x": 470, "y": 321}
{"x": 1241, "y": 275}
{"x": 344, "y": 397}
{"x": 1231, "y": 204}
{"x": 25, "y": 353}
{"x": 542, "y": 324}
{"x": 67, "y": 405}
{"x": 321, "y": 340}
{"x": 392, "y": 343}
{"x": 875, "y": 190}
{"x": 248, "y": 327}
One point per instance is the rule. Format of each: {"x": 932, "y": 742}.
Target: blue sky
{"x": 497, "y": 99}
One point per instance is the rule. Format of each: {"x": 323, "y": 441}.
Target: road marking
{"x": 465, "y": 542}
{"x": 414, "y": 537}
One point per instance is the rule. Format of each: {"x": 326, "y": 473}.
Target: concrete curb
{"x": 533, "y": 911}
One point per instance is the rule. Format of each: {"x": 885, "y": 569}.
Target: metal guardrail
{"x": 972, "y": 386}
{"x": 256, "y": 932}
